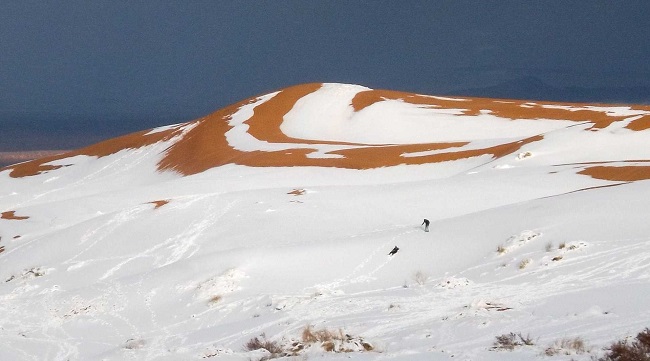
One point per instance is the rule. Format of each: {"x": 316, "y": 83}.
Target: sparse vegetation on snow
{"x": 637, "y": 349}
{"x": 510, "y": 341}
{"x": 326, "y": 340}
{"x": 567, "y": 346}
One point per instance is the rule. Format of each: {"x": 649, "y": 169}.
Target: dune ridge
{"x": 202, "y": 144}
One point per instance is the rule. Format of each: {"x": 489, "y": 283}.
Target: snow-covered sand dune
{"x": 278, "y": 213}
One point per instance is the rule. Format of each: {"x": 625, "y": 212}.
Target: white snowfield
{"x": 111, "y": 257}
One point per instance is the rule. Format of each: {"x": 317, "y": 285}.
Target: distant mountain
{"x": 532, "y": 88}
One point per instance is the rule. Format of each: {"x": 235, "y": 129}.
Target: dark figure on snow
{"x": 393, "y": 251}
{"x": 426, "y": 225}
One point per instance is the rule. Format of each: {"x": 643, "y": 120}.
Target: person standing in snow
{"x": 426, "y": 225}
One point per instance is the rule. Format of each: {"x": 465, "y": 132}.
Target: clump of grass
{"x": 562, "y": 245}
{"x": 637, "y": 350}
{"x": 328, "y": 340}
{"x": 524, "y": 263}
{"x": 311, "y": 336}
{"x": 335, "y": 341}
{"x": 509, "y": 341}
{"x": 566, "y": 346}
{"x": 557, "y": 258}
{"x": 501, "y": 249}
{"x": 34, "y": 272}
{"x": 31, "y": 273}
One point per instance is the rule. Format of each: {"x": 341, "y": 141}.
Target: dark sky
{"x": 74, "y": 72}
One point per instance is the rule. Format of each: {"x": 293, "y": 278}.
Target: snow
{"x": 610, "y": 110}
{"x": 328, "y": 114}
{"x": 521, "y": 244}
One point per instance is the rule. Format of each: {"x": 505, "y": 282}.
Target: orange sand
{"x": 11, "y": 216}
{"x": 159, "y": 203}
{"x": 640, "y": 124}
{"x": 623, "y": 173}
{"x": 297, "y": 192}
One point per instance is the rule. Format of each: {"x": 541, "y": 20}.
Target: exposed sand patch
{"x": 297, "y": 192}
{"x": 621, "y": 173}
{"x": 159, "y": 203}
{"x": 10, "y": 215}
{"x": 640, "y": 124}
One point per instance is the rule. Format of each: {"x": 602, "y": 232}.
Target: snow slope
{"x": 278, "y": 213}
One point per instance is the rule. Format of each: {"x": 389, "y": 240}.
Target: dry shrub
{"x": 509, "y": 341}
{"x": 566, "y": 346}
{"x": 330, "y": 341}
{"x": 258, "y": 343}
{"x": 311, "y": 336}
{"x": 501, "y": 249}
{"x": 335, "y": 341}
{"x": 638, "y": 350}
{"x": 524, "y": 263}
{"x": 328, "y": 346}
{"x": 549, "y": 247}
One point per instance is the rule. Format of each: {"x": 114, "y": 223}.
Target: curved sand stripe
{"x": 509, "y": 109}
